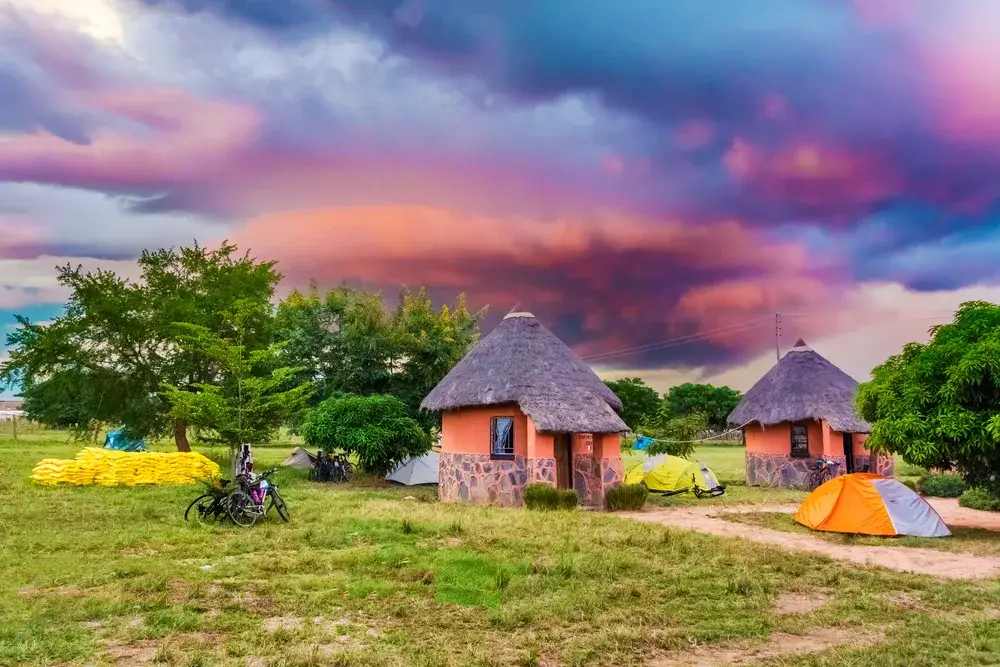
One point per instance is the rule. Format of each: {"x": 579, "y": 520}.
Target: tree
{"x": 348, "y": 342}
{"x": 250, "y": 393}
{"x": 938, "y": 404}
{"x": 107, "y": 358}
{"x": 715, "y": 403}
{"x": 673, "y": 435}
{"x": 639, "y": 402}
{"x": 377, "y": 429}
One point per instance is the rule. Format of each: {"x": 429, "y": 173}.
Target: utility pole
{"x": 777, "y": 335}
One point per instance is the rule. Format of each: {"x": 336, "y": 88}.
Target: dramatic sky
{"x": 632, "y": 171}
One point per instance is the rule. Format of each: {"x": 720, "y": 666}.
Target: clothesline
{"x": 685, "y": 442}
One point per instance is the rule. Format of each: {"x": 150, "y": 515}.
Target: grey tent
{"x": 421, "y": 470}
{"x": 300, "y": 458}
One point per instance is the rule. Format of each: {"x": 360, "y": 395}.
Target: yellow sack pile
{"x": 106, "y": 467}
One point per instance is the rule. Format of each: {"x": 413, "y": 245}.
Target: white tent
{"x": 300, "y": 458}
{"x": 422, "y": 470}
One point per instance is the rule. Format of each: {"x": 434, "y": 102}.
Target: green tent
{"x": 671, "y": 475}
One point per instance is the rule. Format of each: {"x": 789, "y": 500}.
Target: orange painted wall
{"x": 823, "y": 440}
{"x": 467, "y": 430}
{"x": 540, "y": 445}
{"x": 859, "y": 444}
{"x": 777, "y": 439}
{"x": 607, "y": 446}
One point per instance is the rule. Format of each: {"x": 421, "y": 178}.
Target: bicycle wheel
{"x": 202, "y": 506}
{"x": 279, "y": 506}
{"x": 241, "y": 509}
{"x": 348, "y": 471}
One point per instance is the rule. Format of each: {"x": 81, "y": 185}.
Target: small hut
{"x": 521, "y": 408}
{"x": 801, "y": 410}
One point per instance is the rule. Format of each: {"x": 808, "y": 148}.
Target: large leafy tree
{"x": 715, "y": 403}
{"x": 639, "y": 402}
{"x": 377, "y": 429}
{"x": 108, "y": 357}
{"x": 938, "y": 404}
{"x": 249, "y": 394}
{"x": 349, "y": 342}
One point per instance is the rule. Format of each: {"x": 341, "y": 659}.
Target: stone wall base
{"x": 785, "y": 472}
{"x": 477, "y": 478}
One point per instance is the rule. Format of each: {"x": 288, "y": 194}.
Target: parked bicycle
{"x": 243, "y": 502}
{"x": 211, "y": 505}
{"x": 823, "y": 470}
{"x": 254, "y": 498}
{"x": 332, "y": 468}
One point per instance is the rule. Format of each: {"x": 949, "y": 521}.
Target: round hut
{"x": 521, "y": 408}
{"x": 801, "y": 410}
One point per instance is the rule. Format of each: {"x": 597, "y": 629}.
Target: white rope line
{"x": 685, "y": 442}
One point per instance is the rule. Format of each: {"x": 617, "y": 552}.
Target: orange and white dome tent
{"x": 868, "y": 504}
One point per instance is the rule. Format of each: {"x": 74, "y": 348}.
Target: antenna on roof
{"x": 777, "y": 335}
{"x": 514, "y": 307}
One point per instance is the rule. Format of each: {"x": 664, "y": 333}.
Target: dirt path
{"x": 907, "y": 559}
{"x": 777, "y": 645}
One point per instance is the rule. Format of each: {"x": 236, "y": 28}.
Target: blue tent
{"x": 642, "y": 443}
{"x": 118, "y": 440}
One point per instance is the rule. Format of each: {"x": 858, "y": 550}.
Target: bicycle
{"x": 246, "y": 504}
{"x": 211, "y": 505}
{"x": 822, "y": 471}
{"x": 332, "y": 468}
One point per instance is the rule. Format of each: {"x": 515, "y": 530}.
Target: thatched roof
{"x": 522, "y": 362}
{"x": 802, "y": 386}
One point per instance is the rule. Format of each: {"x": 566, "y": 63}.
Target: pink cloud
{"x": 961, "y": 59}
{"x": 180, "y": 138}
{"x": 19, "y": 238}
{"x": 695, "y": 134}
{"x": 621, "y": 278}
{"x": 813, "y": 174}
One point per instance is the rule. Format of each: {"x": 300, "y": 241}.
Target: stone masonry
{"x": 479, "y": 479}
{"x": 787, "y": 472}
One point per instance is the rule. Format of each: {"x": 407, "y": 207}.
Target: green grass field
{"x": 373, "y": 575}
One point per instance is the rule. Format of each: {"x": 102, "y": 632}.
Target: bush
{"x": 909, "y": 482}
{"x": 377, "y": 429}
{"x": 979, "y": 499}
{"x": 627, "y": 497}
{"x": 542, "y": 497}
{"x": 568, "y": 499}
{"x": 941, "y": 485}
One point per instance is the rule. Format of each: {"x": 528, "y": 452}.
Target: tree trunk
{"x": 181, "y": 436}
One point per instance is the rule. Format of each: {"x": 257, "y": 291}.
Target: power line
{"x": 690, "y": 338}
{"x": 740, "y": 327}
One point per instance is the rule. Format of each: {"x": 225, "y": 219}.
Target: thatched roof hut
{"x": 800, "y": 387}
{"x": 522, "y": 362}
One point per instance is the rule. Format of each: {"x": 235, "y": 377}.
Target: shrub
{"x": 979, "y": 499}
{"x": 910, "y": 483}
{"x": 941, "y": 485}
{"x": 568, "y": 499}
{"x": 627, "y": 497}
{"x": 541, "y": 497}
{"x": 377, "y": 429}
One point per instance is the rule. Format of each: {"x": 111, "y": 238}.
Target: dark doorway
{"x": 849, "y": 452}
{"x": 563, "y": 457}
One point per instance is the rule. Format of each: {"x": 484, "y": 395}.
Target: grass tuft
{"x": 628, "y": 497}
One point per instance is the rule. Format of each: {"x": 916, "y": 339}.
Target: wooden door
{"x": 562, "y": 453}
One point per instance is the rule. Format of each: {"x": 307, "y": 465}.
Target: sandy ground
{"x": 923, "y": 561}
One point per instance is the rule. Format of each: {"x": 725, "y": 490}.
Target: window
{"x": 502, "y": 437}
{"x": 800, "y": 441}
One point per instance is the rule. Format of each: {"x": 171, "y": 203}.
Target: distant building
{"x": 801, "y": 410}
{"x": 521, "y": 408}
